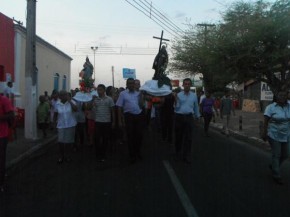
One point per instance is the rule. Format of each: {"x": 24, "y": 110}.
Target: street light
{"x": 94, "y": 49}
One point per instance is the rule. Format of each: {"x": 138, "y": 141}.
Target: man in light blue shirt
{"x": 186, "y": 108}
{"x": 130, "y": 110}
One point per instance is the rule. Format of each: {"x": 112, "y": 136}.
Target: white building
{"x": 54, "y": 66}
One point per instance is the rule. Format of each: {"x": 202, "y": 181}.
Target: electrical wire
{"x": 169, "y": 31}
{"x": 162, "y": 15}
{"x": 169, "y": 25}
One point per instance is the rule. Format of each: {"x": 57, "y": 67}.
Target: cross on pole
{"x": 161, "y": 39}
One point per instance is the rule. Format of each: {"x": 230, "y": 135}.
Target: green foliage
{"x": 251, "y": 42}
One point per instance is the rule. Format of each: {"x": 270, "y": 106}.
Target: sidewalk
{"x": 252, "y": 122}
{"x": 21, "y": 148}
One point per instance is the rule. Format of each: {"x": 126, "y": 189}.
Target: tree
{"x": 251, "y": 42}
{"x": 195, "y": 54}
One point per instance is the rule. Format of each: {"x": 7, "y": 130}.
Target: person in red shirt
{"x": 6, "y": 114}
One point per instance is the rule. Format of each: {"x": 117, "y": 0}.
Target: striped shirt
{"x": 102, "y": 108}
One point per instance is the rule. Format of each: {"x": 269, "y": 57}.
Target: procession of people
{"x": 103, "y": 117}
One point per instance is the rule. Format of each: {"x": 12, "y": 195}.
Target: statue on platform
{"x": 87, "y": 71}
{"x": 160, "y": 63}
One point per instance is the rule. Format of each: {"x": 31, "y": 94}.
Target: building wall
{"x": 6, "y": 50}
{"x": 49, "y": 61}
{"x": 253, "y": 91}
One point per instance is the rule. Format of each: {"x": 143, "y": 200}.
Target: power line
{"x": 159, "y": 14}
{"x": 151, "y": 18}
{"x": 169, "y": 31}
{"x": 166, "y": 18}
{"x": 170, "y": 26}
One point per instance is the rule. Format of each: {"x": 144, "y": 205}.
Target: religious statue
{"x": 160, "y": 85}
{"x": 87, "y": 71}
{"x": 160, "y": 63}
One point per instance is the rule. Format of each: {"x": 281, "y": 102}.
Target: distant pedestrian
{"x": 9, "y": 92}
{"x": 130, "y": 110}
{"x": 81, "y": 125}
{"x": 103, "y": 106}
{"x": 186, "y": 108}
{"x": 217, "y": 105}
{"x": 226, "y": 110}
{"x": 54, "y": 99}
{"x": 47, "y": 98}
{"x": 90, "y": 117}
{"x": 43, "y": 113}
{"x": 166, "y": 117}
{"x": 137, "y": 84}
{"x": 202, "y": 96}
{"x": 66, "y": 123}
{"x": 6, "y": 116}
{"x": 155, "y": 112}
{"x": 111, "y": 92}
{"x": 207, "y": 108}
{"x": 277, "y": 132}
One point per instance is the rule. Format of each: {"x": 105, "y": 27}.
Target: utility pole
{"x": 209, "y": 75}
{"x": 113, "y": 81}
{"x": 205, "y": 25}
{"x": 94, "y": 50}
{"x": 30, "y": 72}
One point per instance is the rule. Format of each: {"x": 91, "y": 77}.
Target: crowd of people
{"x": 124, "y": 113}
{"x": 120, "y": 115}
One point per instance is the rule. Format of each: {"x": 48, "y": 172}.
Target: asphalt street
{"x": 226, "y": 178}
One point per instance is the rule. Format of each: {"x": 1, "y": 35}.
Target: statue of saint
{"x": 87, "y": 71}
{"x": 160, "y": 63}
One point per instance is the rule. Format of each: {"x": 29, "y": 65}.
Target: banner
{"x": 129, "y": 73}
{"x": 197, "y": 83}
{"x": 266, "y": 93}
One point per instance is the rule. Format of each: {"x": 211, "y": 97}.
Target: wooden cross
{"x": 161, "y": 39}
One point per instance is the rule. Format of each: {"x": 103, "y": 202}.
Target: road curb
{"x": 13, "y": 163}
{"x": 242, "y": 137}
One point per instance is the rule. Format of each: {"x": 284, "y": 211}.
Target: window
{"x": 56, "y": 81}
{"x": 64, "y": 82}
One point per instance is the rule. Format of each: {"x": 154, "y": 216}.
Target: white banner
{"x": 266, "y": 93}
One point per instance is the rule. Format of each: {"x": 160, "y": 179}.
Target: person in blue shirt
{"x": 130, "y": 104}
{"x": 277, "y": 132}
{"x": 186, "y": 108}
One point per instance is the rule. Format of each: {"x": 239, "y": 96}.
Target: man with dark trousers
{"x": 130, "y": 110}
{"x": 103, "y": 106}
{"x": 186, "y": 109}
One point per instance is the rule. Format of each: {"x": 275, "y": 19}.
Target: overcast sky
{"x": 115, "y": 26}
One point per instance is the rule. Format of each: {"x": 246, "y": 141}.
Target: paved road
{"x": 226, "y": 178}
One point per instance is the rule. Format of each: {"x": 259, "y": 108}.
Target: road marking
{"x": 189, "y": 209}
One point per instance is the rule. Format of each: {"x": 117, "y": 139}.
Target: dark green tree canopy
{"x": 252, "y": 41}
